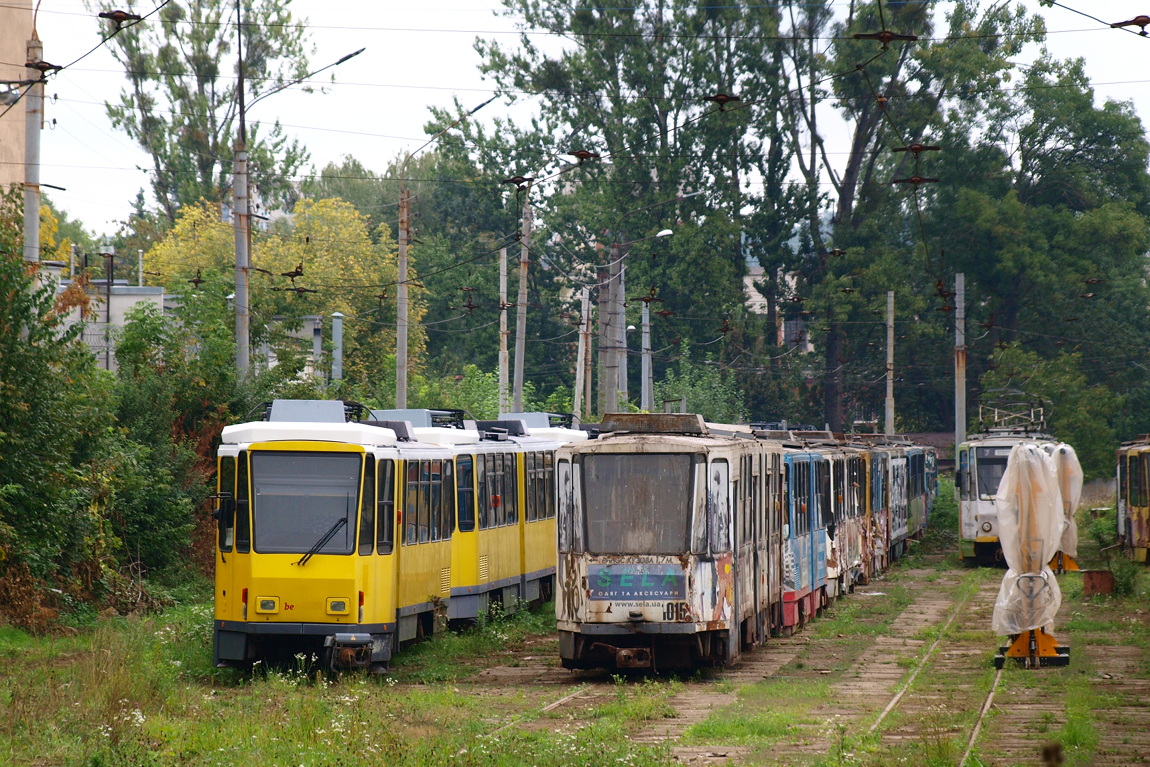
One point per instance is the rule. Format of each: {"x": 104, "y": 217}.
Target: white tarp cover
{"x": 1070, "y": 485}
{"x": 1030, "y": 522}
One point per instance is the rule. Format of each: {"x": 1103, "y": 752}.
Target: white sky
{"x": 419, "y": 54}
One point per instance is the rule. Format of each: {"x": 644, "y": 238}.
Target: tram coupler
{"x": 627, "y": 657}
{"x": 1033, "y": 649}
{"x": 348, "y": 650}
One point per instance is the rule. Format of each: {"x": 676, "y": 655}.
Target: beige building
{"x": 15, "y": 29}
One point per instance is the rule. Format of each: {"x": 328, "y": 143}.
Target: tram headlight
{"x": 337, "y": 606}
{"x": 986, "y": 527}
{"x": 267, "y": 605}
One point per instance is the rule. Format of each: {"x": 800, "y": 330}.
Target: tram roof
{"x": 285, "y": 431}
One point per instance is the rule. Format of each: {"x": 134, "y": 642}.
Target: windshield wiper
{"x": 322, "y": 541}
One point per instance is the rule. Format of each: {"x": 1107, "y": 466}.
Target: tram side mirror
{"x": 225, "y": 512}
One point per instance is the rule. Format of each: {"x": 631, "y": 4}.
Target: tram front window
{"x": 298, "y": 499}
{"x": 638, "y": 504}
{"x": 990, "y": 465}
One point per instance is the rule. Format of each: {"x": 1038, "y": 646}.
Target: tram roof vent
{"x": 507, "y": 427}
{"x": 541, "y": 420}
{"x": 421, "y": 418}
{"x": 403, "y": 429}
{"x": 307, "y": 411}
{"x": 654, "y": 423}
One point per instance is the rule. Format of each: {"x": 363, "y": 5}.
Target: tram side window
{"x": 226, "y": 506}
{"x": 411, "y": 504}
{"x": 1143, "y": 480}
{"x": 823, "y": 477}
{"x": 447, "y": 502}
{"x": 465, "y": 493}
{"x": 549, "y": 483}
{"x": 802, "y": 489}
{"x": 424, "y": 507}
{"x": 367, "y": 518}
{"x": 511, "y": 490}
{"x": 964, "y": 475}
{"x": 779, "y": 492}
{"x": 484, "y": 498}
{"x": 718, "y": 502}
{"x": 529, "y": 475}
{"x": 385, "y": 507}
{"x": 838, "y": 491}
{"x": 243, "y": 507}
{"x": 435, "y": 500}
{"x": 1137, "y": 481}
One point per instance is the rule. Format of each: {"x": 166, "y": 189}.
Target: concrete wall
{"x": 15, "y": 29}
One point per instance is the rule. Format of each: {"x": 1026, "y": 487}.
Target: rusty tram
{"x": 682, "y": 543}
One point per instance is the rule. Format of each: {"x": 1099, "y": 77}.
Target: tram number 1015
{"x": 676, "y": 611}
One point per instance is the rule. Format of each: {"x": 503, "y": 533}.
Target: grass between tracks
{"x": 142, "y": 691}
{"x": 796, "y": 719}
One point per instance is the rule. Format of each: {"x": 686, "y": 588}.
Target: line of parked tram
{"x": 682, "y": 543}
{"x": 342, "y": 538}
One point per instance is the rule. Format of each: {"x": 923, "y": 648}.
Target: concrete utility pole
{"x": 647, "y": 387}
{"x": 317, "y": 347}
{"x": 604, "y": 301}
{"x": 240, "y": 213}
{"x": 581, "y": 356}
{"x": 33, "y": 120}
{"x": 401, "y": 295}
{"x": 504, "y": 399}
{"x": 521, "y": 302}
{"x": 959, "y": 360}
{"x": 109, "y": 254}
{"x": 588, "y": 311}
{"x": 609, "y": 350}
{"x": 889, "y": 425}
{"x": 621, "y": 330}
{"x": 337, "y": 346}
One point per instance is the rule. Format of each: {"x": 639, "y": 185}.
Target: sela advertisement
{"x": 637, "y": 582}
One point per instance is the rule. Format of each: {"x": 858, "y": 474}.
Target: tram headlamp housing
{"x": 267, "y": 605}
{"x": 338, "y": 606}
{"x": 986, "y": 527}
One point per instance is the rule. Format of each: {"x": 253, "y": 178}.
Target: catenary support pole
{"x": 609, "y": 350}
{"x": 889, "y": 422}
{"x": 581, "y": 355}
{"x": 521, "y": 303}
{"x": 504, "y": 398}
{"x": 647, "y": 387}
{"x": 33, "y": 119}
{"x": 621, "y": 331}
{"x": 337, "y": 346}
{"x": 401, "y": 298}
{"x": 317, "y": 347}
{"x": 959, "y": 359}
{"x": 604, "y": 320}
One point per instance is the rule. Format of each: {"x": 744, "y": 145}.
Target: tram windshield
{"x": 638, "y": 504}
{"x": 300, "y": 497}
{"x": 990, "y": 465}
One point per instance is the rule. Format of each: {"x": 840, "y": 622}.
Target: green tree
{"x": 1078, "y": 412}
{"x": 705, "y": 390}
{"x": 54, "y": 485}
{"x": 180, "y": 103}
{"x": 647, "y": 89}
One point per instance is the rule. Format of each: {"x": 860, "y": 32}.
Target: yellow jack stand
{"x": 1063, "y": 563}
{"x": 1033, "y": 649}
